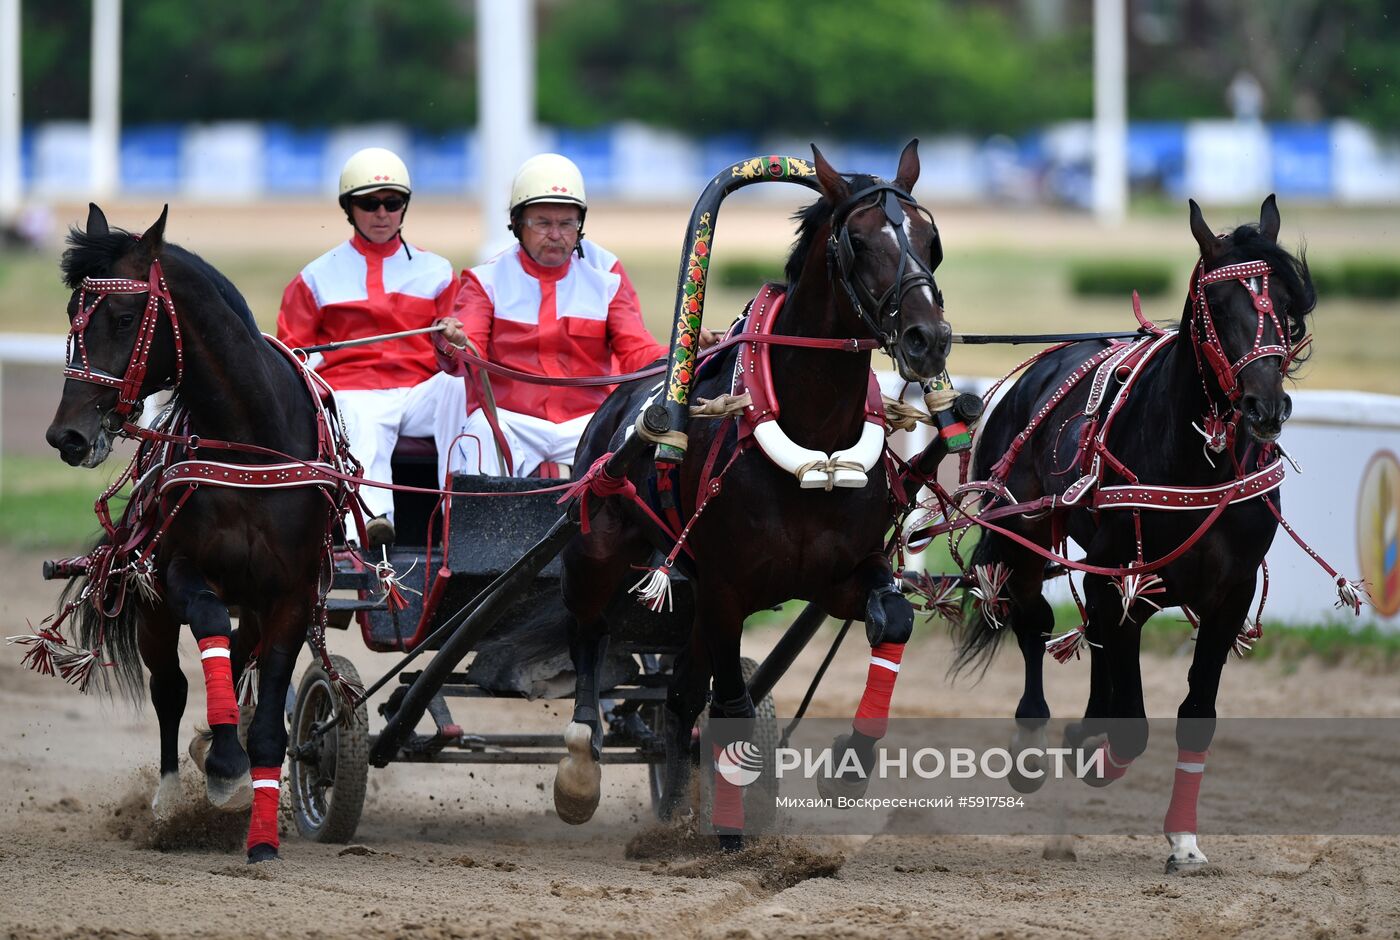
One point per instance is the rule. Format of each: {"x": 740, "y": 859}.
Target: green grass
{"x": 47, "y": 505}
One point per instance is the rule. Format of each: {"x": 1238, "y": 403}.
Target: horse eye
{"x": 125, "y": 321}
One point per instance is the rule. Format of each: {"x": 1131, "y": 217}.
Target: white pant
{"x": 532, "y": 441}
{"x": 375, "y": 419}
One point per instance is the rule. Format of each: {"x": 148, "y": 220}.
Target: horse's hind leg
{"x": 1124, "y": 720}
{"x": 685, "y": 700}
{"x": 227, "y": 781}
{"x": 282, "y": 636}
{"x": 732, "y": 711}
{"x": 159, "y": 644}
{"x": 1195, "y": 723}
{"x": 1032, "y": 620}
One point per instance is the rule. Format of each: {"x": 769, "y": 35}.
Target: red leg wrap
{"x": 1181, "y": 814}
{"x": 729, "y": 801}
{"x": 873, "y": 715}
{"x": 1113, "y": 765}
{"x": 222, "y": 706}
{"x": 267, "y": 788}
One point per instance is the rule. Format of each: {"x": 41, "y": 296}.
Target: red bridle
{"x": 1207, "y": 342}
{"x": 128, "y": 384}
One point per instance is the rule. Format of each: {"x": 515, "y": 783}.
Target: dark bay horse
{"x": 146, "y": 316}
{"x": 1135, "y": 477}
{"x": 862, "y": 266}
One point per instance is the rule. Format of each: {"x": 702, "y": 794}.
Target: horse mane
{"x": 1247, "y": 244}
{"x": 95, "y": 255}
{"x": 809, "y": 221}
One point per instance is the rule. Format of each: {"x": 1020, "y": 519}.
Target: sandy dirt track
{"x": 448, "y": 851}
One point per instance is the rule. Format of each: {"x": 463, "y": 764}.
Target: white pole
{"x": 10, "y": 104}
{"x": 106, "y": 96}
{"x": 1110, "y": 112}
{"x": 505, "y": 41}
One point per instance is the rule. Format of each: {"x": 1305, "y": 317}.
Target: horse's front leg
{"x": 1195, "y": 722}
{"x": 282, "y": 636}
{"x": 192, "y": 600}
{"x": 595, "y": 566}
{"x": 889, "y": 621}
{"x": 579, "y": 778}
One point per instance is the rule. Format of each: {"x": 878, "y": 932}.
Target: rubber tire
{"x": 760, "y": 798}
{"x": 328, "y": 813}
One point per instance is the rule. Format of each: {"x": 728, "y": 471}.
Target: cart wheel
{"x": 760, "y": 797}
{"x": 328, "y": 787}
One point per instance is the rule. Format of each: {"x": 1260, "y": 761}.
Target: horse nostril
{"x": 70, "y": 444}
{"x": 1287, "y": 408}
{"x": 916, "y": 340}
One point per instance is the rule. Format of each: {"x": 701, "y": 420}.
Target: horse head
{"x": 123, "y": 340}
{"x": 1248, "y": 318}
{"x": 882, "y": 249}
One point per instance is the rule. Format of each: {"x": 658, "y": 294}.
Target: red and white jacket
{"x": 580, "y": 318}
{"x": 360, "y": 289}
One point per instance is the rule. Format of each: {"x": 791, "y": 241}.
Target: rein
{"x": 806, "y": 342}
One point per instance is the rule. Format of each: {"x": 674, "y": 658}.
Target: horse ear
{"x": 153, "y": 239}
{"x": 833, "y": 184}
{"x": 1204, "y": 236}
{"x": 1269, "y": 219}
{"x": 908, "y": 173}
{"x": 97, "y": 222}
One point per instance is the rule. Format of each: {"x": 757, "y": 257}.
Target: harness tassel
{"x": 1348, "y": 594}
{"x": 1249, "y": 634}
{"x": 986, "y": 593}
{"x": 45, "y": 646}
{"x": 1136, "y": 587}
{"x": 1068, "y": 645}
{"x": 653, "y": 590}
{"x": 942, "y": 595}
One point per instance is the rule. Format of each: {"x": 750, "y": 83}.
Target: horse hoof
{"x": 729, "y": 843}
{"x": 836, "y": 788}
{"x": 167, "y": 797}
{"x": 1186, "y": 854}
{"x": 578, "y": 781}
{"x": 262, "y": 852}
{"x": 1024, "y": 784}
{"x": 230, "y": 794}
{"x": 199, "y": 747}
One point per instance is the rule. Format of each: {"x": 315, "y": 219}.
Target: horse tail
{"x": 978, "y": 635}
{"x": 117, "y": 636}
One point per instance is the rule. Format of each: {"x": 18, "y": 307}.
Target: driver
{"x": 553, "y": 304}
{"x": 373, "y": 283}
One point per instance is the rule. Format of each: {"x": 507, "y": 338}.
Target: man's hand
{"x": 708, "y": 338}
{"x": 453, "y": 332}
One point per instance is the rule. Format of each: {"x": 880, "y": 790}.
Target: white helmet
{"x": 374, "y": 168}
{"x": 547, "y": 177}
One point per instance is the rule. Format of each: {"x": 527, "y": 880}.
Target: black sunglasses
{"x": 372, "y": 203}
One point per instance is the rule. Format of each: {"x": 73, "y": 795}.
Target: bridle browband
{"x": 1210, "y": 352}
{"x": 912, "y": 271}
{"x": 129, "y": 383}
